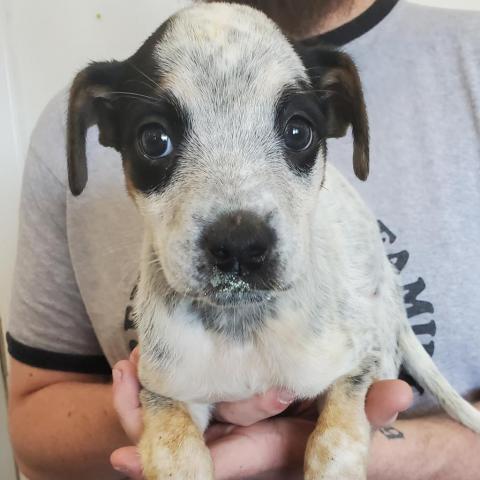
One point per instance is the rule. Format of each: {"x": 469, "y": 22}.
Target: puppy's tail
{"x": 419, "y": 364}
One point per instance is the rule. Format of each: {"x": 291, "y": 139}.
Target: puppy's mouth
{"x": 237, "y": 299}
{"x": 230, "y": 290}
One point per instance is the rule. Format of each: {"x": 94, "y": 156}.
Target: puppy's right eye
{"x": 154, "y": 142}
{"x": 298, "y": 134}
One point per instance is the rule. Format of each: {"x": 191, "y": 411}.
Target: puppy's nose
{"x": 239, "y": 242}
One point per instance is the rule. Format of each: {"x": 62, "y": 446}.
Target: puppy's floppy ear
{"x": 334, "y": 76}
{"x": 91, "y": 103}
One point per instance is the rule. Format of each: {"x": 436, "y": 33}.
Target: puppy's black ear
{"x": 335, "y": 78}
{"x": 91, "y": 103}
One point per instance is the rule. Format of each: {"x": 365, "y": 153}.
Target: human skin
{"x": 306, "y": 18}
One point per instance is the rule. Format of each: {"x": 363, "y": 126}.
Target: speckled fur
{"x": 337, "y": 319}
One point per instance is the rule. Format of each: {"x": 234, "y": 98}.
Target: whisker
{"x": 138, "y": 96}
{"x": 142, "y": 83}
{"x": 318, "y": 90}
{"x": 154, "y": 83}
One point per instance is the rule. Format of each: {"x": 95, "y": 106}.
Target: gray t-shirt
{"x": 77, "y": 262}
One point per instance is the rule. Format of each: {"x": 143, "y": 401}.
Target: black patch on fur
{"x": 159, "y": 351}
{"x": 301, "y": 102}
{"x": 151, "y": 175}
{"x": 243, "y": 321}
{"x": 150, "y": 400}
{"x": 358, "y": 380}
{"x": 128, "y": 322}
{"x": 88, "y": 105}
{"x": 339, "y": 95}
{"x": 365, "y": 374}
{"x": 121, "y": 97}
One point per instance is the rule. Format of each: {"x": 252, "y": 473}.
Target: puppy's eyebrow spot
{"x": 297, "y": 87}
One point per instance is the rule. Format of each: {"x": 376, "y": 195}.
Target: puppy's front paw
{"x": 172, "y": 447}
{"x": 334, "y": 455}
{"x": 338, "y": 447}
{"x": 175, "y": 458}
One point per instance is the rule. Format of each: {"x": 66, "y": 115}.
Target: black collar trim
{"x": 356, "y": 27}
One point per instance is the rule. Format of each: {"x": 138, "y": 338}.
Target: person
{"x": 76, "y": 267}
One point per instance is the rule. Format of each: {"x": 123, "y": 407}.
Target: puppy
{"x": 261, "y": 265}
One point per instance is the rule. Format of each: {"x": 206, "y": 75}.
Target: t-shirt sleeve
{"x": 48, "y": 324}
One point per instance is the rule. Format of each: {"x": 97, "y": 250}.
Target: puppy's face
{"x": 222, "y": 132}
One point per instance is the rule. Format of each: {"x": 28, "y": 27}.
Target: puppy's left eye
{"x": 154, "y": 142}
{"x": 298, "y": 134}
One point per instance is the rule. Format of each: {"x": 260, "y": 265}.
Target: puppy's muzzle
{"x": 241, "y": 245}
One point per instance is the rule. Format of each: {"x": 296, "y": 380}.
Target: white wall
{"x": 464, "y": 4}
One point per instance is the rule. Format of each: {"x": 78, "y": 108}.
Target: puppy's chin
{"x": 227, "y": 299}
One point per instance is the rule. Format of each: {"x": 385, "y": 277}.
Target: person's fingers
{"x": 267, "y": 446}
{"x": 126, "y": 390}
{"x": 259, "y": 407}
{"x": 217, "y": 430}
{"x": 385, "y": 400}
{"x": 134, "y": 356}
{"x": 127, "y": 461}
{"x": 306, "y": 409}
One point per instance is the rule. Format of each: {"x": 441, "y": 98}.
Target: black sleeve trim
{"x": 63, "y": 362}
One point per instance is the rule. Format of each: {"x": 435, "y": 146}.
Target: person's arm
{"x": 62, "y": 424}
{"x": 427, "y": 448}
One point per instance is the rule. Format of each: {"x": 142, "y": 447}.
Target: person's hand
{"x": 246, "y": 441}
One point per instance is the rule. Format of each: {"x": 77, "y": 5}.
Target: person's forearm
{"x": 427, "y": 448}
{"x": 67, "y": 430}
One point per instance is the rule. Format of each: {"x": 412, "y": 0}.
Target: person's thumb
{"x": 127, "y": 461}
{"x": 126, "y": 391}
{"x": 385, "y": 400}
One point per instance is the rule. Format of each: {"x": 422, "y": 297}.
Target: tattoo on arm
{"x": 392, "y": 433}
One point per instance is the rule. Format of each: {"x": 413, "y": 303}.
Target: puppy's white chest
{"x": 203, "y": 366}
